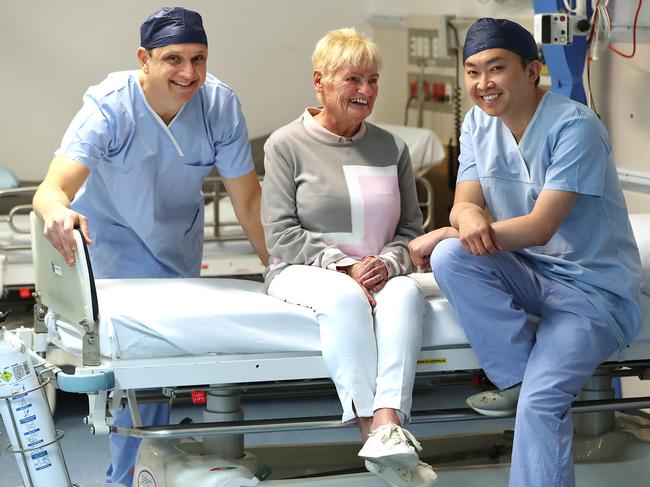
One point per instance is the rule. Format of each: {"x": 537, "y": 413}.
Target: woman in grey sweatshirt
{"x": 339, "y": 207}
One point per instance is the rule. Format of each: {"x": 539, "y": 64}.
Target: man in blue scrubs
{"x": 130, "y": 169}
{"x": 558, "y": 244}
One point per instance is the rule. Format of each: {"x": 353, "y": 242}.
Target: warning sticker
{"x": 432, "y": 361}
{"x": 146, "y": 479}
{"x": 41, "y": 460}
{"x": 6, "y": 376}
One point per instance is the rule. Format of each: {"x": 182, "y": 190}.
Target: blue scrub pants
{"x": 553, "y": 359}
{"x": 125, "y": 448}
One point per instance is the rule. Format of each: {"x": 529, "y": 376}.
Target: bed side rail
{"x": 16, "y": 216}
{"x": 216, "y": 226}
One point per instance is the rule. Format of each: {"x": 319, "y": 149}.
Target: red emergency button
{"x": 199, "y": 397}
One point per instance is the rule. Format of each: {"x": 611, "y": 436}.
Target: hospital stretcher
{"x": 221, "y": 335}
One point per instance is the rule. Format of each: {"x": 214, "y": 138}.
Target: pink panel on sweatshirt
{"x": 381, "y": 210}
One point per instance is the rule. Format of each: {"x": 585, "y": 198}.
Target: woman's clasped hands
{"x": 371, "y": 274}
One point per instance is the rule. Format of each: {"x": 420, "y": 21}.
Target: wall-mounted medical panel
{"x": 434, "y": 91}
{"x": 427, "y": 47}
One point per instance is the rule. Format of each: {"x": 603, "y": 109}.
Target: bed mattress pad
{"x": 143, "y": 318}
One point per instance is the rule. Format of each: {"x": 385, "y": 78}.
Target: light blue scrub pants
{"x": 125, "y": 448}
{"x": 491, "y": 295}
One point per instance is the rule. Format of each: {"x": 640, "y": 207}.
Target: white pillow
{"x": 641, "y": 228}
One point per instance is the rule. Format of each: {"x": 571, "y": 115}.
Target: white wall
{"x": 473, "y": 8}
{"x": 53, "y": 50}
{"x": 620, "y": 91}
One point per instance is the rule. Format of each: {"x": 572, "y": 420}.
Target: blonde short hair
{"x": 344, "y": 47}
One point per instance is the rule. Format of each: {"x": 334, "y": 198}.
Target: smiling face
{"x": 349, "y": 96}
{"x": 172, "y": 75}
{"x": 498, "y": 83}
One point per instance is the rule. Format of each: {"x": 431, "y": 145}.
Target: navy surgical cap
{"x": 172, "y": 25}
{"x": 488, "y": 33}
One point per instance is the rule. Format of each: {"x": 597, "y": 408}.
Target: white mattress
{"x": 424, "y": 145}
{"x": 143, "y": 318}
{"x": 171, "y": 317}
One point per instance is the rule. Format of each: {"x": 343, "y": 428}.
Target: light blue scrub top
{"x": 143, "y": 196}
{"x": 565, "y": 147}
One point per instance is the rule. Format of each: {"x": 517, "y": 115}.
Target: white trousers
{"x": 371, "y": 356}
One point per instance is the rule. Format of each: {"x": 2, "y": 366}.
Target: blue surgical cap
{"x": 172, "y": 25}
{"x": 488, "y": 33}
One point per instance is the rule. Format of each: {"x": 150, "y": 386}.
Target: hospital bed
{"x": 228, "y": 334}
{"x": 16, "y": 271}
{"x": 226, "y": 250}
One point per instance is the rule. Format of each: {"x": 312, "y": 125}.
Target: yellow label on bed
{"x": 6, "y": 376}
{"x": 432, "y": 361}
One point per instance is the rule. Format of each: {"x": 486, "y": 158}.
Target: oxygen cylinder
{"x": 27, "y": 417}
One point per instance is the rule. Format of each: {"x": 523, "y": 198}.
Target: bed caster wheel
{"x": 85, "y": 420}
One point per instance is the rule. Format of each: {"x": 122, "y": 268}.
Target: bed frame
{"x": 70, "y": 292}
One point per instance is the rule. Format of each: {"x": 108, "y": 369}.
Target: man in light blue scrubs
{"x": 130, "y": 169}
{"x": 558, "y": 244}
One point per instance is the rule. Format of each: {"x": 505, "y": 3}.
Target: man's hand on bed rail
{"x": 52, "y": 202}
{"x": 421, "y": 247}
{"x": 59, "y": 226}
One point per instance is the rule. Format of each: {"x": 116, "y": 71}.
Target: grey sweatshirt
{"x": 328, "y": 203}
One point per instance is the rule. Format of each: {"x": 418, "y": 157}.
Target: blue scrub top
{"x": 565, "y": 147}
{"x": 143, "y": 196}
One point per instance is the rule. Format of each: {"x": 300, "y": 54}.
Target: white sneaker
{"x": 420, "y": 476}
{"x": 390, "y": 445}
{"x": 498, "y": 404}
